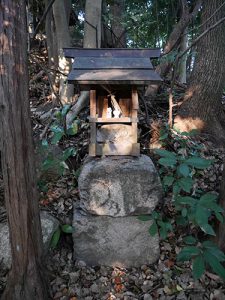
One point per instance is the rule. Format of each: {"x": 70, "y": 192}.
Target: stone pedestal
{"x": 113, "y": 192}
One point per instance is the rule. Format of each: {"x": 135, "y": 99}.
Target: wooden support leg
{"x": 134, "y": 114}
{"x": 93, "y": 129}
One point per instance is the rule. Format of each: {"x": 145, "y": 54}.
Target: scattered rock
{"x": 147, "y": 297}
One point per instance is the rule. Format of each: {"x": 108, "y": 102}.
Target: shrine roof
{"x": 112, "y": 66}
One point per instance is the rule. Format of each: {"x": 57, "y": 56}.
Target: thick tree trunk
{"x": 66, "y": 91}
{"x": 25, "y": 279}
{"x": 92, "y": 27}
{"x": 202, "y": 108}
{"x": 119, "y": 35}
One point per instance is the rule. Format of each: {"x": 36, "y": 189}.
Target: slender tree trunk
{"x": 202, "y": 108}
{"x": 173, "y": 41}
{"x": 66, "y": 91}
{"x": 175, "y": 35}
{"x": 51, "y": 43}
{"x": 25, "y": 281}
{"x": 182, "y": 68}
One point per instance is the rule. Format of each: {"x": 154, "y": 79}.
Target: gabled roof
{"x": 112, "y": 66}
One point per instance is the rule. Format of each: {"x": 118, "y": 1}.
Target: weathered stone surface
{"x": 122, "y": 241}
{"x": 115, "y": 133}
{"x": 5, "y": 252}
{"x": 119, "y": 186}
{"x": 48, "y": 223}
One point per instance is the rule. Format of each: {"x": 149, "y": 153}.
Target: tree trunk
{"x": 119, "y": 36}
{"x": 182, "y": 68}
{"x": 51, "y": 42}
{"x": 175, "y": 35}
{"x": 92, "y": 27}
{"x": 165, "y": 66}
{"x": 66, "y": 91}
{"x": 92, "y": 39}
{"x": 25, "y": 279}
{"x": 202, "y": 108}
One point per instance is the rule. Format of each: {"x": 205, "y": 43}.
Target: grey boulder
{"x": 49, "y": 224}
{"x": 119, "y": 186}
{"x": 122, "y": 241}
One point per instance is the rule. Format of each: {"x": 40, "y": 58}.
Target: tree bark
{"x": 175, "y": 35}
{"x": 25, "y": 280}
{"x": 182, "y": 68}
{"x": 173, "y": 41}
{"x": 92, "y": 39}
{"x": 51, "y": 42}
{"x": 202, "y": 108}
{"x": 92, "y": 27}
{"x": 119, "y": 36}
{"x": 66, "y": 91}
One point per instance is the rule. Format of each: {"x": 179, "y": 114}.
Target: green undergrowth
{"x": 195, "y": 210}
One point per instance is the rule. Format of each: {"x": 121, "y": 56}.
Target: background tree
{"x": 25, "y": 280}
{"x": 92, "y": 39}
{"x": 61, "y": 13}
{"x": 51, "y": 42}
{"x": 202, "y": 108}
{"x": 92, "y": 25}
{"x": 114, "y": 31}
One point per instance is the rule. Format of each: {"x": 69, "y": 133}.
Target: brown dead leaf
{"x": 119, "y": 287}
{"x": 169, "y": 263}
{"x": 117, "y": 280}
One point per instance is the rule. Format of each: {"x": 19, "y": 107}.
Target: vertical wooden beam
{"x": 134, "y": 115}
{"x": 93, "y": 103}
{"x": 135, "y": 105}
{"x": 93, "y": 129}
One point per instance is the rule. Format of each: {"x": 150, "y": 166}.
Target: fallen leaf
{"x": 169, "y": 263}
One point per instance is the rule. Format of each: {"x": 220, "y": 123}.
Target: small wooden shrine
{"x": 112, "y": 76}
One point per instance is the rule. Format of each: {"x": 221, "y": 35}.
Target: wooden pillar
{"x": 93, "y": 129}
{"x": 134, "y": 116}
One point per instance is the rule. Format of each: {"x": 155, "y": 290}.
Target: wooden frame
{"x": 130, "y": 107}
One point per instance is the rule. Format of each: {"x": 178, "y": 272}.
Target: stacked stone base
{"x": 113, "y": 192}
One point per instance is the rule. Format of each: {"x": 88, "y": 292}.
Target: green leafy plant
{"x": 68, "y": 229}
{"x": 193, "y": 208}
{"x": 59, "y": 130}
{"x": 158, "y": 224}
{"x": 202, "y": 255}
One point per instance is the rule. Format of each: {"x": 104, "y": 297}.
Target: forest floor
{"x": 73, "y": 280}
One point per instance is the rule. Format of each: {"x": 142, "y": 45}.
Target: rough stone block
{"x": 119, "y": 186}
{"x": 121, "y": 241}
